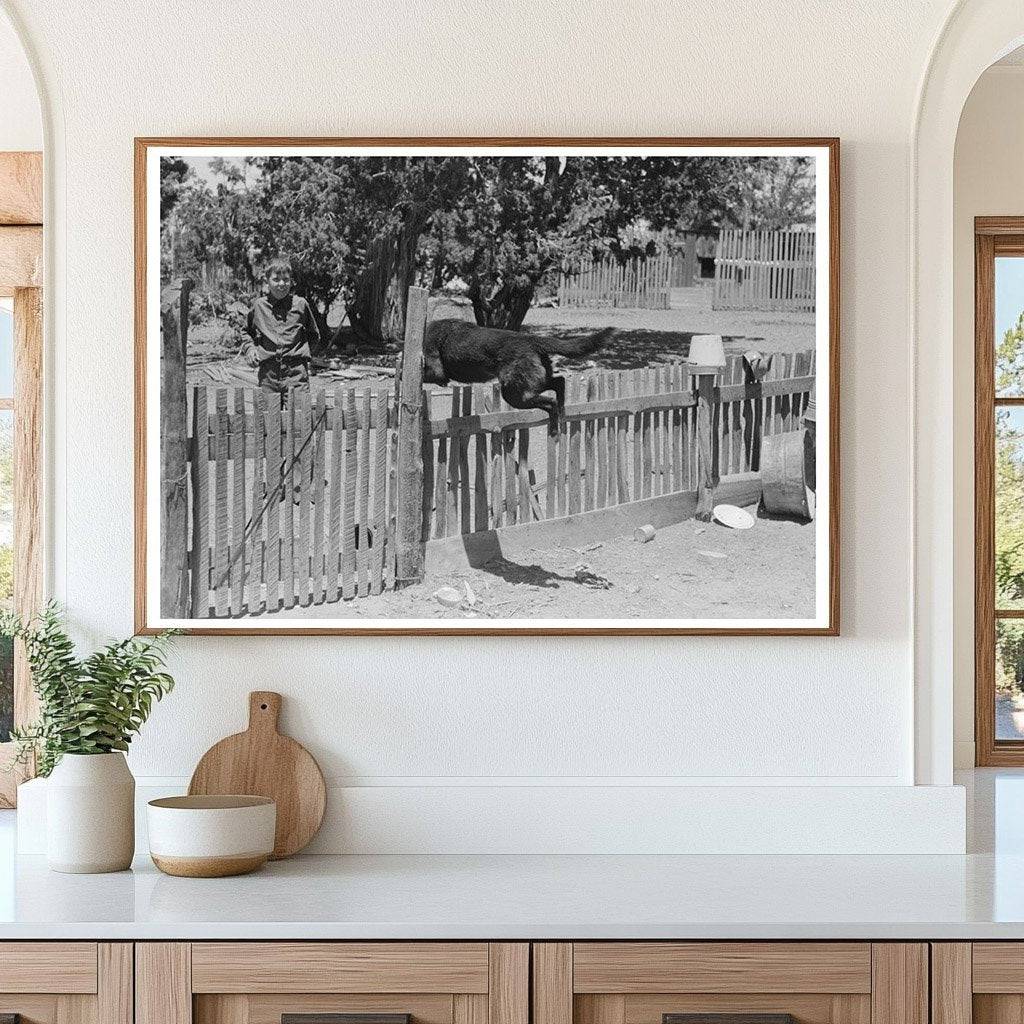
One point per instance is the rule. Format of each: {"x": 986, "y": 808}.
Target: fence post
{"x": 707, "y": 463}
{"x": 174, "y": 588}
{"x": 690, "y": 261}
{"x": 410, "y": 547}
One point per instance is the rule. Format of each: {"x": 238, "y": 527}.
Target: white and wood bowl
{"x": 211, "y": 836}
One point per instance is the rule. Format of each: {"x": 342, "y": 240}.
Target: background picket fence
{"x": 765, "y": 270}
{"x": 639, "y": 283}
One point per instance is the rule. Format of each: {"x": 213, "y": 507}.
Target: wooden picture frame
{"x": 221, "y": 618}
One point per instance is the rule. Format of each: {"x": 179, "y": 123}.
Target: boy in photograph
{"x": 281, "y": 330}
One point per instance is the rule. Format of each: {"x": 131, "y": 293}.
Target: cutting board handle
{"x": 264, "y": 710}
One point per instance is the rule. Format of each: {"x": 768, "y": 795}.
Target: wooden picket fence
{"x": 291, "y": 503}
{"x": 294, "y": 504}
{"x": 626, "y": 435}
{"x": 333, "y": 495}
{"x": 639, "y": 283}
{"x": 771, "y": 271}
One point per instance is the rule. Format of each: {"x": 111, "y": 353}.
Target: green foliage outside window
{"x": 1009, "y": 507}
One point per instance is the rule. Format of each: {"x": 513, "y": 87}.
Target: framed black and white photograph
{"x": 487, "y": 386}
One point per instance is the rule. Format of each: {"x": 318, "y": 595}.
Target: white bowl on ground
{"x": 211, "y": 836}
{"x": 733, "y": 517}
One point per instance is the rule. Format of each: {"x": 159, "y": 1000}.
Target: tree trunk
{"x": 403, "y": 276}
{"x": 324, "y": 342}
{"x": 382, "y": 288}
{"x": 366, "y": 312}
{"x": 507, "y": 304}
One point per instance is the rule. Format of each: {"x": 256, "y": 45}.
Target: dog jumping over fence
{"x": 461, "y": 351}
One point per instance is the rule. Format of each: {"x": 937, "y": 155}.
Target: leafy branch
{"x": 90, "y": 705}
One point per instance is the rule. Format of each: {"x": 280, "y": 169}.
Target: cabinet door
{"x": 737, "y": 982}
{"x": 66, "y": 982}
{"x": 980, "y": 982}
{"x": 315, "y": 982}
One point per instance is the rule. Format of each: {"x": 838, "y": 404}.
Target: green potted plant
{"x": 89, "y": 710}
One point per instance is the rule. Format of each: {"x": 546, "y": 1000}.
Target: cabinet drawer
{"x": 340, "y": 967}
{"x": 262, "y": 982}
{"x": 998, "y": 967}
{"x": 630, "y": 967}
{"x": 736, "y": 982}
{"x": 48, "y": 967}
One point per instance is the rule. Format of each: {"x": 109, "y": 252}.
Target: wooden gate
{"x": 289, "y": 500}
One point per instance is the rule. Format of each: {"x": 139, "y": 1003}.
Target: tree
{"x": 211, "y": 225}
{"x": 523, "y": 219}
{"x": 359, "y": 229}
{"x": 304, "y": 209}
{"x": 408, "y": 192}
{"x": 1009, "y": 506}
{"x": 769, "y": 193}
{"x": 352, "y": 227}
{"x": 174, "y": 173}
{"x": 1009, "y": 656}
{"x": 1009, "y": 471}
{"x": 243, "y": 213}
{"x": 518, "y": 219}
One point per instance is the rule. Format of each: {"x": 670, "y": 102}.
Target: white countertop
{"x": 978, "y": 896}
{"x": 532, "y": 897}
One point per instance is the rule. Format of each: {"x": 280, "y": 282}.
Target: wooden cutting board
{"x": 262, "y": 762}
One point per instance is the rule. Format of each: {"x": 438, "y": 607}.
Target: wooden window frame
{"x": 21, "y": 263}
{"x": 993, "y": 236}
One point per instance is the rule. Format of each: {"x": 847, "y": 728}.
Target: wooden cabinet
{"x": 979, "y": 982}
{"x": 494, "y": 983}
{"x": 66, "y": 982}
{"x": 645, "y": 982}
{"x": 259, "y": 982}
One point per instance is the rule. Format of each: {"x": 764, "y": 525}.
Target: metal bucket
{"x": 787, "y": 473}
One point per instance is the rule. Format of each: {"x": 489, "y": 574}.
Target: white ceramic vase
{"x": 90, "y": 814}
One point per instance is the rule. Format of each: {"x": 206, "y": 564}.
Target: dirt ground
{"x": 689, "y": 570}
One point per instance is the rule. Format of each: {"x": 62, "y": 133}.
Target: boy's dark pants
{"x": 278, "y": 377}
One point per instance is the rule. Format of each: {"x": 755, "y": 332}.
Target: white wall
{"x": 21, "y": 125}
{"x": 444, "y": 713}
{"x": 988, "y": 181}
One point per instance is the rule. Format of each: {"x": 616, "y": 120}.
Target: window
{"x": 999, "y": 490}
{"x": 21, "y": 366}
{"x": 20, "y": 487}
{"x": 6, "y": 510}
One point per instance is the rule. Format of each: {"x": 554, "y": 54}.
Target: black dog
{"x": 461, "y": 351}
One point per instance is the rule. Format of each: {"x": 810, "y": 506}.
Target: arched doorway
{"x": 975, "y": 35}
